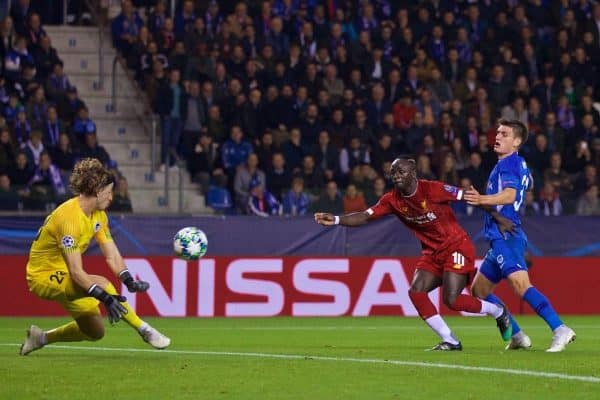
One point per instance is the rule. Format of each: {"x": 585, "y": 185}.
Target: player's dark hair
{"x": 89, "y": 177}
{"x": 519, "y": 129}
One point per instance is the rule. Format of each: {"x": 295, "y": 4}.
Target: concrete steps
{"x": 124, "y": 132}
{"x": 153, "y": 200}
{"x": 139, "y": 177}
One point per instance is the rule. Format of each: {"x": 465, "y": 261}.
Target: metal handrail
{"x": 96, "y": 17}
{"x": 113, "y": 100}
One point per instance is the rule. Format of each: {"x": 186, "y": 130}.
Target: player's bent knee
{"x": 450, "y": 300}
{"x": 91, "y": 327}
{"x": 95, "y": 334}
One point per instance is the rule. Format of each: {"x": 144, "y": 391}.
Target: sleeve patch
{"x": 68, "y": 242}
{"x": 452, "y": 189}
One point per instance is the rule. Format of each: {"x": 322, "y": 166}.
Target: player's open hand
{"x": 505, "y": 225}
{"x": 324, "y": 219}
{"x": 472, "y": 196}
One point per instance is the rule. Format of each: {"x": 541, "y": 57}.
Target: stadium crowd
{"x": 290, "y": 106}
{"x": 300, "y": 105}
{"x": 44, "y": 126}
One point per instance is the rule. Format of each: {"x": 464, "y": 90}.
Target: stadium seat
{"x": 220, "y": 200}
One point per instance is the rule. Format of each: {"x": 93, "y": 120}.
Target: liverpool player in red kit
{"x": 447, "y": 256}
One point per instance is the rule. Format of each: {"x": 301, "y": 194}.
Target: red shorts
{"x": 459, "y": 259}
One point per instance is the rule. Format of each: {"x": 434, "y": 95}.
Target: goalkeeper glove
{"x": 112, "y": 303}
{"x": 132, "y": 285}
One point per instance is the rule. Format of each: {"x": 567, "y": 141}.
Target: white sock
{"x": 440, "y": 327}
{"x": 143, "y": 327}
{"x": 491, "y": 309}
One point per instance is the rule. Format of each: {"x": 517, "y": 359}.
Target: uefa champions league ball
{"x": 190, "y": 243}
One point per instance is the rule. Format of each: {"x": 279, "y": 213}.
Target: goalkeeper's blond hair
{"x": 89, "y": 177}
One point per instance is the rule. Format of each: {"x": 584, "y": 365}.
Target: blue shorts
{"x": 505, "y": 257}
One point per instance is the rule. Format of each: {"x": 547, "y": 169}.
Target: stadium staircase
{"x": 125, "y": 132}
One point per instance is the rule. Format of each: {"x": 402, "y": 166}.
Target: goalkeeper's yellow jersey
{"x": 66, "y": 230}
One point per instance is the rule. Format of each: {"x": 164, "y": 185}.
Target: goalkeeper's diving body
{"x": 55, "y": 266}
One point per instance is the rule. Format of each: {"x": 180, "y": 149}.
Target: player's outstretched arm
{"x": 353, "y": 219}
{"x": 117, "y": 265}
{"x": 506, "y": 196}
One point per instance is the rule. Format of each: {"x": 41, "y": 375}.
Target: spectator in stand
{"x": 448, "y": 172}
{"x": 235, "y": 151}
{"x": 204, "y": 164}
{"x": 577, "y": 159}
{"x": 125, "y": 27}
{"x": 424, "y": 168}
{"x": 539, "y": 158}
{"x": 37, "y": 107}
{"x": 69, "y": 106}
{"x": 193, "y": 117}
{"x": 46, "y": 186}
{"x": 326, "y": 156}
{"x": 57, "y": 83}
{"x": 550, "y": 203}
{"x": 92, "y": 149}
{"x": 530, "y": 206}
{"x": 353, "y": 201}
{"x": 63, "y": 156}
{"x": 82, "y": 125}
{"x": 8, "y": 150}
{"x": 215, "y": 127}
{"x": 35, "y": 32}
{"x": 557, "y": 176}
{"x": 296, "y": 201}
{"x": 52, "y": 127}
{"x": 374, "y": 193}
{"x": 475, "y": 172}
{"x": 21, "y": 127}
{"x": 21, "y": 173}
{"x": 293, "y": 150}
{"x": 587, "y": 204}
{"x": 45, "y": 58}
{"x": 265, "y": 151}
{"x": 585, "y": 179}
{"x": 311, "y": 174}
{"x": 16, "y": 58}
{"x": 7, "y": 36}
{"x": 330, "y": 200}
{"x": 246, "y": 174}
{"x": 555, "y": 134}
{"x": 34, "y": 147}
{"x": 121, "y": 202}
{"x": 356, "y": 153}
{"x": 279, "y": 177}
{"x": 9, "y": 197}
{"x": 168, "y": 104}
{"x": 261, "y": 202}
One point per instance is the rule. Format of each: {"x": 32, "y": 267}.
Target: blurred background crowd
{"x": 291, "y": 106}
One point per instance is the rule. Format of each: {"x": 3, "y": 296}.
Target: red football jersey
{"x": 427, "y": 213}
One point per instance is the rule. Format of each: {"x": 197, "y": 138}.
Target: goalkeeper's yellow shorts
{"x": 58, "y": 286}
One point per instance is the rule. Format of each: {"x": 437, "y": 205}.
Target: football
{"x": 190, "y": 243}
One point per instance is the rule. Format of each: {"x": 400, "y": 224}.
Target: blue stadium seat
{"x": 220, "y": 199}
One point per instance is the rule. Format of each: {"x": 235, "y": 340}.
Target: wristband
{"x": 336, "y": 219}
{"x": 125, "y": 277}
{"x": 97, "y": 292}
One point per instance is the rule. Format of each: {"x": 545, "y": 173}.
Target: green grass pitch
{"x": 302, "y": 358}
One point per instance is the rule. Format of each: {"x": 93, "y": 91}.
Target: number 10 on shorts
{"x": 458, "y": 260}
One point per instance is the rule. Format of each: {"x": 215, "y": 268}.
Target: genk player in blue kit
{"x": 507, "y": 184}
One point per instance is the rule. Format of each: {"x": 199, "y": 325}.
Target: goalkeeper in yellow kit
{"x": 55, "y": 268}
